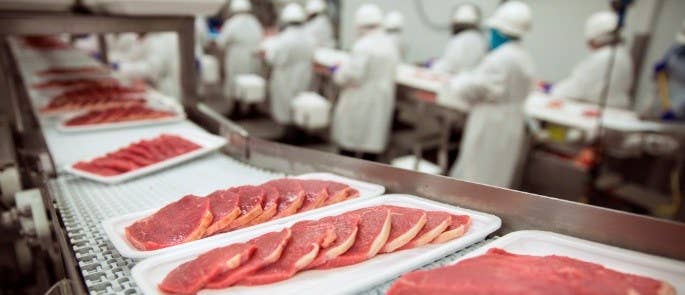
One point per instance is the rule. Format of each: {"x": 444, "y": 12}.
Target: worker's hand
{"x": 659, "y": 67}
{"x": 114, "y": 66}
{"x": 333, "y": 68}
{"x": 429, "y": 63}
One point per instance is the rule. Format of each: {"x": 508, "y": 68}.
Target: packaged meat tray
{"x": 397, "y": 217}
{"x": 119, "y": 117}
{"x": 119, "y": 229}
{"x": 146, "y": 156}
{"x": 159, "y": 7}
{"x": 93, "y": 98}
{"x": 548, "y": 257}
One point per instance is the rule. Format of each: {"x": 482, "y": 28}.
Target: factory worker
{"x": 468, "y": 45}
{"x": 240, "y": 37}
{"x": 318, "y": 24}
{"x": 588, "y": 79}
{"x": 363, "y": 114}
{"x": 494, "y": 137}
{"x": 208, "y": 64}
{"x": 394, "y": 25}
{"x": 159, "y": 64}
{"x": 125, "y": 47}
{"x": 290, "y": 56}
{"x": 672, "y": 65}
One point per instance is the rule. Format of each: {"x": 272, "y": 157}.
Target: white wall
{"x": 556, "y": 41}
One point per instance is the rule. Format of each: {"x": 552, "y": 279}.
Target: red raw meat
{"x": 291, "y": 196}
{"x": 73, "y": 70}
{"x": 338, "y": 192}
{"x": 271, "y": 200}
{"x": 308, "y": 237}
{"x": 373, "y": 232}
{"x": 76, "y": 83}
{"x": 179, "y": 222}
{"x": 406, "y": 224}
{"x": 118, "y": 114}
{"x": 500, "y": 272}
{"x": 436, "y": 223}
{"x": 225, "y": 209}
{"x": 346, "y": 228}
{"x": 251, "y": 199}
{"x": 116, "y": 164}
{"x": 125, "y": 155}
{"x": 89, "y": 167}
{"x": 458, "y": 226}
{"x": 315, "y": 194}
{"x": 45, "y": 42}
{"x": 190, "y": 277}
{"x": 269, "y": 249}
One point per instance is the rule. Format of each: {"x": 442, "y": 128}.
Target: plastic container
{"x": 311, "y": 111}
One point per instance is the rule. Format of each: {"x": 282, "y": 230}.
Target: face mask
{"x": 497, "y": 39}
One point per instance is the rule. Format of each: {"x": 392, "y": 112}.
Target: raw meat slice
{"x": 271, "y": 198}
{"x": 125, "y": 155}
{"x": 458, "y": 226}
{"x": 89, "y": 167}
{"x": 346, "y": 228}
{"x": 179, "y": 222}
{"x": 315, "y": 194}
{"x": 436, "y": 223}
{"x": 291, "y": 196}
{"x": 500, "y": 272}
{"x": 269, "y": 249}
{"x": 338, "y": 192}
{"x": 308, "y": 237}
{"x": 373, "y": 231}
{"x": 116, "y": 164}
{"x": 225, "y": 209}
{"x": 250, "y": 202}
{"x": 190, "y": 277}
{"x": 406, "y": 224}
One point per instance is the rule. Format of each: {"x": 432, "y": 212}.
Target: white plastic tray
{"x": 208, "y": 142}
{"x": 541, "y": 243}
{"x": 161, "y": 7}
{"x": 114, "y": 227}
{"x": 344, "y": 280}
{"x": 155, "y": 100}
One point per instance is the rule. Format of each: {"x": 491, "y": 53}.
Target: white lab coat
{"x": 494, "y": 137}
{"x": 240, "y": 36}
{"x": 463, "y": 52}
{"x": 400, "y": 43}
{"x": 209, "y": 65}
{"x": 160, "y": 64}
{"x": 290, "y": 56}
{"x": 588, "y": 78}
{"x": 321, "y": 29}
{"x": 125, "y": 47}
{"x": 363, "y": 115}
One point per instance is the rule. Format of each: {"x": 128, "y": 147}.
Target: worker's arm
{"x": 576, "y": 85}
{"x": 227, "y": 35}
{"x": 352, "y": 72}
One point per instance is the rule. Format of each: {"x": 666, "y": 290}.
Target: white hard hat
{"x": 316, "y": 6}
{"x": 600, "y": 24}
{"x": 240, "y": 6}
{"x": 680, "y": 38}
{"x": 292, "y": 13}
{"x": 368, "y": 15}
{"x": 512, "y": 18}
{"x": 393, "y": 20}
{"x": 466, "y": 14}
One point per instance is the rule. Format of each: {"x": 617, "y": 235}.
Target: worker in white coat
{"x": 319, "y": 24}
{"x": 159, "y": 65}
{"x": 468, "y": 45}
{"x": 240, "y": 37}
{"x": 588, "y": 78}
{"x": 671, "y": 68}
{"x": 290, "y": 57}
{"x": 494, "y": 136}
{"x": 394, "y": 26}
{"x": 363, "y": 114}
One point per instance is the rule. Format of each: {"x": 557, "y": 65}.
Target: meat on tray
{"x": 45, "y": 42}
{"x": 118, "y": 114}
{"x": 96, "y": 98}
{"x": 94, "y": 70}
{"x": 348, "y": 238}
{"x": 138, "y": 155}
{"x": 238, "y": 207}
{"x": 76, "y": 83}
{"x": 500, "y": 272}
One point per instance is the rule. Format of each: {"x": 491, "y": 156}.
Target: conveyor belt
{"x": 85, "y": 204}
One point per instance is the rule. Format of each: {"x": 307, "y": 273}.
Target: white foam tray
{"x": 208, "y": 142}
{"x": 115, "y": 227}
{"x": 155, "y": 100}
{"x": 542, "y": 243}
{"x": 160, "y": 7}
{"x": 345, "y": 280}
